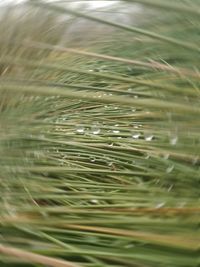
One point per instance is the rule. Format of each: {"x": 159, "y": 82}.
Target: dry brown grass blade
{"x": 35, "y": 258}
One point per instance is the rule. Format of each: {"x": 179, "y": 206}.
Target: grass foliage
{"x": 99, "y": 138}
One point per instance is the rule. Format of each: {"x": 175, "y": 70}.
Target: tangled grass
{"x": 100, "y": 144}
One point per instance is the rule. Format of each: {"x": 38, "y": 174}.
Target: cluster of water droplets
{"x": 139, "y": 135}
{"x": 117, "y": 130}
{"x": 94, "y": 129}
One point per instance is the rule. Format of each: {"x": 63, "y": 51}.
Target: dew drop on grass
{"x": 95, "y": 129}
{"x": 160, "y": 205}
{"x": 173, "y": 140}
{"x": 147, "y": 156}
{"x": 170, "y": 188}
{"x": 80, "y": 129}
{"x": 170, "y": 169}
{"x": 92, "y": 159}
{"x": 129, "y": 246}
{"x": 94, "y": 201}
{"x": 148, "y": 137}
{"x": 136, "y": 135}
{"x": 116, "y": 131}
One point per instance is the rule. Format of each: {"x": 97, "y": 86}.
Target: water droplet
{"x": 95, "y": 129}
{"x": 173, "y": 140}
{"x": 160, "y": 205}
{"x": 94, "y": 201}
{"x": 149, "y": 137}
{"x": 92, "y": 159}
{"x": 135, "y": 96}
{"x": 170, "y": 169}
{"x": 170, "y": 188}
{"x": 80, "y": 129}
{"x": 136, "y": 135}
{"x": 116, "y": 131}
{"x": 129, "y": 246}
{"x": 111, "y": 144}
